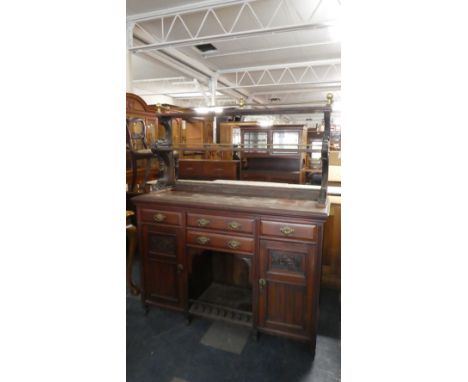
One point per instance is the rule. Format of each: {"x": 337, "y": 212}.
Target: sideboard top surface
{"x": 253, "y": 204}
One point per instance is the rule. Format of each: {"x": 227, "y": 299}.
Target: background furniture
{"x": 331, "y": 260}
{"x": 137, "y": 108}
{"x": 138, "y": 149}
{"x": 271, "y": 154}
{"x": 205, "y": 169}
{"x": 131, "y": 249}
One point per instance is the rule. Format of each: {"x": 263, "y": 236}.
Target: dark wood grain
{"x": 224, "y": 223}
{"x": 281, "y": 266}
{"x": 288, "y": 230}
{"x": 208, "y": 169}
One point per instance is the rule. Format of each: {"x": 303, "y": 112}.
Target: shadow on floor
{"x": 162, "y": 348}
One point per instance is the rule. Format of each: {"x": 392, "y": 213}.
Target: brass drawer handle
{"x": 234, "y": 225}
{"x": 286, "y": 231}
{"x": 203, "y": 239}
{"x": 233, "y": 244}
{"x": 262, "y": 283}
{"x": 159, "y": 217}
{"x": 203, "y": 222}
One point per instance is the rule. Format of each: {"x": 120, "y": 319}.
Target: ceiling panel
{"x": 263, "y": 50}
{"x": 143, "y": 6}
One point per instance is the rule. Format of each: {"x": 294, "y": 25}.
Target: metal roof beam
{"x": 332, "y": 61}
{"x": 177, "y": 19}
{"x": 183, "y": 9}
{"x": 295, "y": 73}
{"x": 262, "y": 50}
{"x": 229, "y": 36}
{"x": 187, "y": 66}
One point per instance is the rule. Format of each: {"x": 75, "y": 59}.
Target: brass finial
{"x": 158, "y": 107}
{"x": 241, "y": 102}
{"x": 329, "y": 98}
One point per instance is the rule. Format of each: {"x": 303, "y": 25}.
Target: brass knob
{"x": 203, "y": 239}
{"x": 180, "y": 268}
{"x": 286, "y": 231}
{"x": 203, "y": 222}
{"x": 159, "y": 217}
{"x": 262, "y": 283}
{"x": 233, "y": 244}
{"x": 234, "y": 225}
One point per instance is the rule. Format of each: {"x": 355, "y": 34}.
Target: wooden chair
{"x": 138, "y": 148}
{"x": 132, "y": 244}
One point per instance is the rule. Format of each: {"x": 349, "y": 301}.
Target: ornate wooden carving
{"x": 286, "y": 261}
{"x": 163, "y": 150}
{"x": 163, "y": 244}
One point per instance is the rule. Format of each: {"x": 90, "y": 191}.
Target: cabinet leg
{"x": 313, "y": 353}
{"x": 146, "y": 309}
{"x": 312, "y": 349}
{"x": 254, "y": 334}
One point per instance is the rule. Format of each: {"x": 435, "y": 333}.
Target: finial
{"x": 241, "y": 102}
{"x": 329, "y": 98}
{"x": 158, "y": 107}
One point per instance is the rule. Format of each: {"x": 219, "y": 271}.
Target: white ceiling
{"x": 299, "y": 37}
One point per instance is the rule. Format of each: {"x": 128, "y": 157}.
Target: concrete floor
{"x": 162, "y": 348}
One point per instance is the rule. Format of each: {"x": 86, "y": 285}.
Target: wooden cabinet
{"x": 205, "y": 169}
{"x": 274, "y": 243}
{"x": 286, "y": 291}
{"x": 164, "y": 275}
{"x": 271, "y": 154}
{"x": 331, "y": 262}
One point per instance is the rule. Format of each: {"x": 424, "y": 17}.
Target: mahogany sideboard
{"x": 208, "y": 169}
{"x": 277, "y": 233}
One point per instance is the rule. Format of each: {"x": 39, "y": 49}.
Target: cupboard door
{"x": 164, "y": 269}
{"x": 285, "y": 292}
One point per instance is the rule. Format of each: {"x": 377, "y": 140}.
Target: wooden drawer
{"x": 190, "y": 169}
{"x": 161, "y": 216}
{"x": 221, "y": 223}
{"x": 220, "y": 170}
{"x": 289, "y": 230}
{"x": 222, "y": 242}
{"x": 255, "y": 176}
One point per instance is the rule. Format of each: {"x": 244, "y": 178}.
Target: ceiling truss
{"x": 323, "y": 73}
{"x": 173, "y": 29}
{"x": 159, "y": 34}
{"x": 273, "y": 49}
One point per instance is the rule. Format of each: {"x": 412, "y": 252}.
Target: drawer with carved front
{"x": 161, "y": 216}
{"x": 221, "y": 242}
{"x": 298, "y": 231}
{"x": 231, "y": 224}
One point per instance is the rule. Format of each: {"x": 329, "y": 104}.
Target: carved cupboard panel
{"x": 164, "y": 265}
{"x": 285, "y": 287}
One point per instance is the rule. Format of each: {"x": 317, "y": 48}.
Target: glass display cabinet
{"x": 271, "y": 153}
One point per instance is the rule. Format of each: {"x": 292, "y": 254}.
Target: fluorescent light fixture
{"x": 206, "y": 110}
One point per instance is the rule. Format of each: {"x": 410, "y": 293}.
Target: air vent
{"x": 205, "y": 47}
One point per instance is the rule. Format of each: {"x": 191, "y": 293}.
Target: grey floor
{"x": 162, "y": 348}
